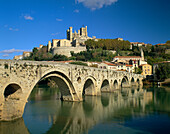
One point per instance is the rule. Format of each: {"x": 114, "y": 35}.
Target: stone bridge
{"x": 18, "y": 78}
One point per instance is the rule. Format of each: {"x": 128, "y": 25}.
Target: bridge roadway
{"x": 18, "y": 78}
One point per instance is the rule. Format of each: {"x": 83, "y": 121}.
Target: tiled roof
{"x": 145, "y": 64}
{"x": 129, "y": 65}
{"x": 110, "y": 64}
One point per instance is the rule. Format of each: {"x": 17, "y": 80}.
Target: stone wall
{"x": 66, "y": 50}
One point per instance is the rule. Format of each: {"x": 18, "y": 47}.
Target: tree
{"x": 163, "y": 71}
{"x": 58, "y": 57}
{"x": 79, "y": 63}
{"x": 139, "y": 71}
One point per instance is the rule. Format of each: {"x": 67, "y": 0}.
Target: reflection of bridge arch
{"x": 82, "y": 120}
{"x": 105, "y": 99}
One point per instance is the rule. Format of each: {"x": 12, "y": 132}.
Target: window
{"x": 148, "y": 69}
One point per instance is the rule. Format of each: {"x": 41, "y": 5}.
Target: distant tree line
{"x": 108, "y": 44}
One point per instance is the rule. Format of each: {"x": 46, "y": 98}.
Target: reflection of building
{"x": 146, "y": 69}
{"x": 74, "y": 42}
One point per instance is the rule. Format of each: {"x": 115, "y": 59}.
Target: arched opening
{"x": 13, "y": 102}
{"x": 11, "y": 90}
{"x": 133, "y": 83}
{"x": 138, "y": 82}
{"x": 132, "y": 80}
{"x": 115, "y": 84}
{"x": 105, "y": 86}
{"x": 79, "y": 80}
{"x": 124, "y": 82}
{"x": 63, "y": 84}
{"x": 46, "y": 100}
{"x": 88, "y": 88}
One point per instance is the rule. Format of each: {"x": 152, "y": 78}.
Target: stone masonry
{"x": 18, "y": 78}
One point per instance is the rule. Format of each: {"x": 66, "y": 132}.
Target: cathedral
{"x": 75, "y": 42}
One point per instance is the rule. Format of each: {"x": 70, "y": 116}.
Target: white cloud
{"x": 76, "y": 11}
{"x": 96, "y": 4}
{"x": 54, "y": 34}
{"x": 13, "y": 29}
{"x": 5, "y": 55}
{"x": 28, "y": 17}
{"x": 11, "y": 51}
{"x": 57, "y": 19}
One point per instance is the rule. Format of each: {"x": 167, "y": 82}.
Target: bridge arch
{"x": 125, "y": 82}
{"x": 12, "y": 89}
{"x": 132, "y": 79}
{"x": 66, "y": 87}
{"x": 105, "y": 87}
{"x": 88, "y": 87}
{"x": 13, "y": 99}
{"x": 115, "y": 84}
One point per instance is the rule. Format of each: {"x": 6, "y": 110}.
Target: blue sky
{"x": 25, "y": 24}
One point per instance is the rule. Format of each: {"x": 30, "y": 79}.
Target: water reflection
{"x": 45, "y": 113}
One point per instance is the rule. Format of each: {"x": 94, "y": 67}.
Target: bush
{"x": 79, "y": 63}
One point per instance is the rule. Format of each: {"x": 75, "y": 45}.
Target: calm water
{"x": 127, "y": 111}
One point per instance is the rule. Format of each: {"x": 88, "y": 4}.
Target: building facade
{"x": 146, "y": 69}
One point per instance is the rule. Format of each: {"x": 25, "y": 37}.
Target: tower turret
{"x": 49, "y": 46}
{"x": 142, "y": 54}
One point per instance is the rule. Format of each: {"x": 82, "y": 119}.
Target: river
{"x": 127, "y": 111}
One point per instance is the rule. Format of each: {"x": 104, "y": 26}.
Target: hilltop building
{"x": 18, "y": 57}
{"x": 74, "y": 42}
{"x": 137, "y": 44}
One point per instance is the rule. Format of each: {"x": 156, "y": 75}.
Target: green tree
{"x": 58, "y": 57}
{"x": 163, "y": 71}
